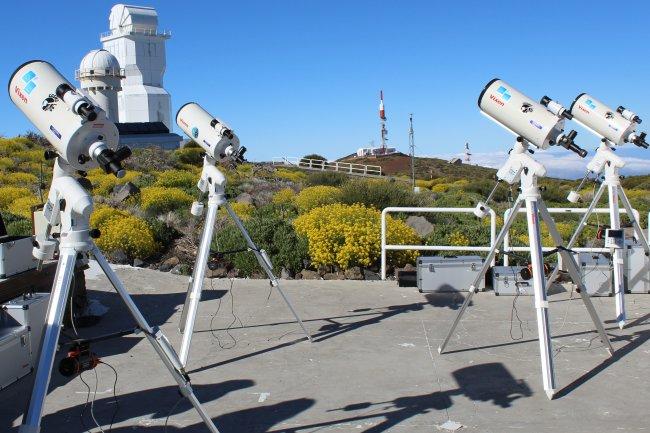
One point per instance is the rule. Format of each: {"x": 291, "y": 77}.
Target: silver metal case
{"x": 596, "y": 273}
{"x": 521, "y": 115}
{"x": 637, "y": 270}
{"x": 30, "y": 311}
{"x": 506, "y": 281}
{"x": 16, "y": 255}
{"x": 448, "y": 274}
{"x": 15, "y": 359}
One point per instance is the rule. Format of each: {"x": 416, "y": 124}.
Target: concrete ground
{"x": 373, "y": 366}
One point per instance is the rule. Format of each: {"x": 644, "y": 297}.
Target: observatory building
{"x": 125, "y": 78}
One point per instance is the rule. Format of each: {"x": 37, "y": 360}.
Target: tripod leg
{"x": 157, "y": 339}
{"x": 630, "y": 214}
{"x": 188, "y": 317}
{"x": 55, "y": 311}
{"x": 574, "y": 272}
{"x": 265, "y": 263}
{"x": 581, "y": 225}
{"x": 486, "y": 265}
{"x": 617, "y": 257}
{"x": 541, "y": 302}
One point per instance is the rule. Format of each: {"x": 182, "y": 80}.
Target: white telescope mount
{"x": 213, "y": 182}
{"x": 521, "y": 167}
{"x": 69, "y": 206}
{"x": 606, "y": 163}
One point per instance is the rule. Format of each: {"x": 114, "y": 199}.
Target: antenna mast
{"x": 412, "y": 148}
{"x": 382, "y": 118}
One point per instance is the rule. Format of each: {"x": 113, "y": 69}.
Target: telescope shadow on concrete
{"x": 159, "y": 403}
{"x": 634, "y": 341}
{"x": 334, "y": 326}
{"x": 638, "y": 322}
{"x": 490, "y": 382}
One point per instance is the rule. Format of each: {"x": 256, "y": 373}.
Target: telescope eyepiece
{"x": 111, "y": 161}
{"x": 640, "y": 140}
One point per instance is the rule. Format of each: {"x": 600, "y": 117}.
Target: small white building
{"x": 374, "y": 151}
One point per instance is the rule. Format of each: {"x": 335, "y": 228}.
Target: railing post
{"x": 493, "y": 233}
{"x": 506, "y": 241}
{"x": 383, "y": 244}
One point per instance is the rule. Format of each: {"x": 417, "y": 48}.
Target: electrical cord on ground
{"x": 92, "y": 403}
{"x": 235, "y": 319}
{"x": 83, "y": 410}
{"x": 169, "y": 414}
{"x": 514, "y": 313}
{"x": 117, "y": 404}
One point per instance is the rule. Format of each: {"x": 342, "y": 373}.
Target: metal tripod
{"x": 606, "y": 160}
{"x": 523, "y": 168}
{"x": 70, "y": 206}
{"x": 213, "y": 182}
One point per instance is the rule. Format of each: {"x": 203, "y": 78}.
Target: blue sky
{"x": 296, "y": 77}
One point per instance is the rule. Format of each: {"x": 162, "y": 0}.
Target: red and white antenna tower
{"x": 468, "y": 155}
{"x": 382, "y": 118}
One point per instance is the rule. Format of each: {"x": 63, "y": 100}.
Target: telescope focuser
{"x": 111, "y": 161}
{"x": 79, "y": 104}
{"x": 629, "y": 115}
{"x": 639, "y": 140}
{"x": 555, "y": 108}
{"x": 567, "y": 142}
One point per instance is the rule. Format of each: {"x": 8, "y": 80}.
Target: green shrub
{"x": 329, "y": 178}
{"x": 23, "y": 206}
{"x": 270, "y": 232}
{"x": 379, "y": 194}
{"x": 188, "y": 155}
{"x": 315, "y": 156}
{"x": 121, "y": 231}
{"x": 17, "y": 225}
{"x": 157, "y": 199}
{"x": 163, "y": 234}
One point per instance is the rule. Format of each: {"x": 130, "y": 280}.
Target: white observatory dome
{"x": 99, "y": 62}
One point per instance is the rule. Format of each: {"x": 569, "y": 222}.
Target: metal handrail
{"x": 385, "y": 247}
{"x": 317, "y": 164}
{"x": 130, "y": 29}
{"x": 560, "y": 210}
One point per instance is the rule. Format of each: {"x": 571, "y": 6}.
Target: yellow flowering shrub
{"x": 20, "y": 178}
{"x": 129, "y": 234}
{"x": 315, "y": 196}
{"x": 458, "y": 239}
{"x": 440, "y": 187}
{"x": 350, "y": 235}
{"x": 158, "y": 199}
{"x": 176, "y": 178}
{"x": 291, "y": 175}
{"x": 9, "y": 146}
{"x": 284, "y": 196}
{"x": 6, "y": 162}
{"x": 10, "y": 193}
{"x": 23, "y": 206}
{"x": 33, "y": 155}
{"x": 102, "y": 214}
{"x": 104, "y": 183}
{"x": 243, "y": 210}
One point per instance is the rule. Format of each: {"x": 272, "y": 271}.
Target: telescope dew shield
{"x": 61, "y": 113}
{"x": 521, "y": 115}
{"x": 602, "y": 120}
{"x": 213, "y": 135}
